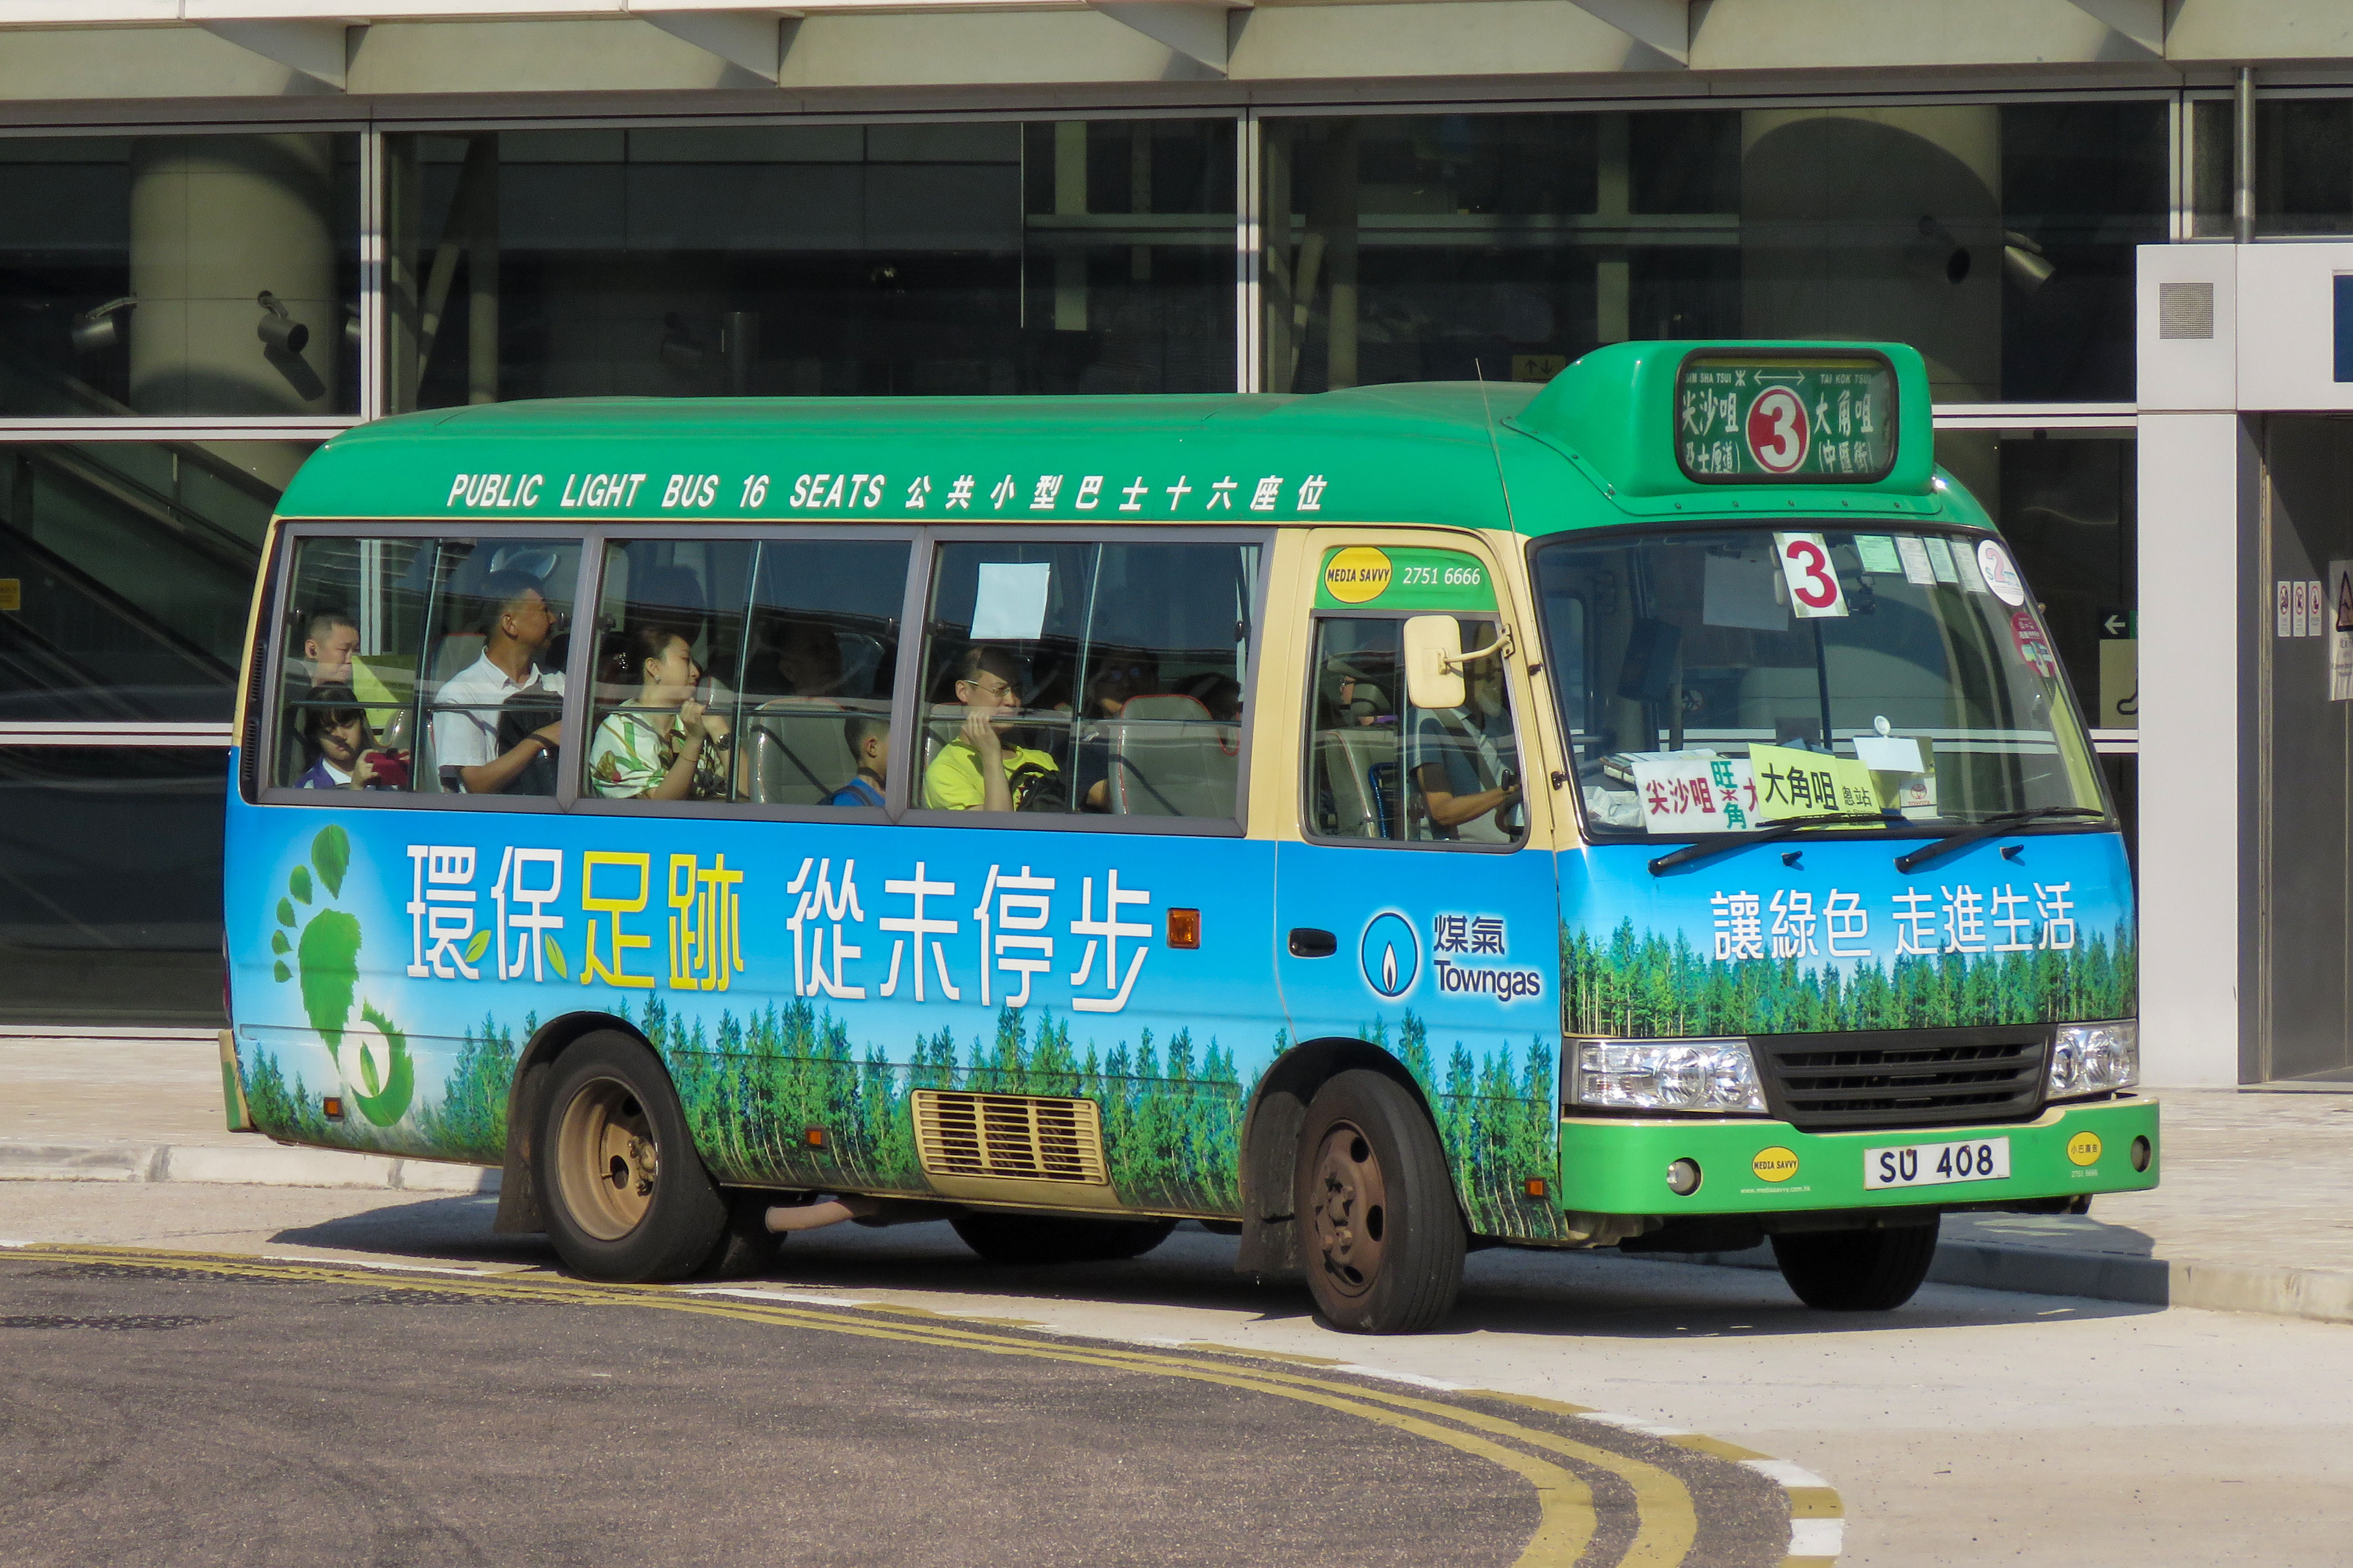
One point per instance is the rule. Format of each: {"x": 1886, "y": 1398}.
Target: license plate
{"x": 1936, "y": 1165}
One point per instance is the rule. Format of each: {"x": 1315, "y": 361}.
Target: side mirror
{"x": 1434, "y": 661}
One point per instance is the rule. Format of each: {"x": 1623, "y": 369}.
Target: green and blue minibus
{"x": 1641, "y": 812}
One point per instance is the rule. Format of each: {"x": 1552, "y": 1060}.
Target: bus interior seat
{"x": 1173, "y": 767}
{"x": 800, "y": 752}
{"x": 1344, "y": 761}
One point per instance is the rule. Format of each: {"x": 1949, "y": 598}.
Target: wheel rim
{"x": 1348, "y": 1210}
{"x": 607, "y": 1163}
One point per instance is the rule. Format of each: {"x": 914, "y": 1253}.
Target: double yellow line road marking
{"x": 1666, "y": 1523}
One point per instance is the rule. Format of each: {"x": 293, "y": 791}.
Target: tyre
{"x": 1856, "y": 1270}
{"x": 625, "y": 1195}
{"x": 1379, "y": 1230}
{"x": 1024, "y": 1238}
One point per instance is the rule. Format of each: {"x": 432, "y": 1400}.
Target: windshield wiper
{"x": 1716, "y": 843}
{"x": 2000, "y": 822}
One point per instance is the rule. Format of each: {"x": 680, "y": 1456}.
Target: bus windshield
{"x": 1726, "y": 680}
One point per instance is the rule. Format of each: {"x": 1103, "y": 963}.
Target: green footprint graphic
{"x": 325, "y": 953}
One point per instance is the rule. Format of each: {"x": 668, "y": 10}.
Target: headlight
{"x": 1667, "y": 1075}
{"x": 2095, "y": 1058}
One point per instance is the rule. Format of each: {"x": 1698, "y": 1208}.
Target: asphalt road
{"x": 168, "y": 1407}
{"x": 1969, "y": 1428}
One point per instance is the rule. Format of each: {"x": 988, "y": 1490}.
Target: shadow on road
{"x": 1506, "y": 1290}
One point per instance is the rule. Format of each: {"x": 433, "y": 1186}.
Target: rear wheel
{"x": 625, "y": 1195}
{"x": 1023, "y": 1238}
{"x": 1856, "y": 1270}
{"x": 1379, "y": 1230}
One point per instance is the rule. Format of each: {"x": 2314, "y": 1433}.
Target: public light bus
{"x": 1644, "y": 812}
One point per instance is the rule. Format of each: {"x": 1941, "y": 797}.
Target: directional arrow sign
{"x": 2118, "y": 625}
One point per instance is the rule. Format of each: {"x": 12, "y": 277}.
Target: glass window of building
{"x": 1997, "y": 237}
{"x": 127, "y": 567}
{"x": 110, "y": 904}
{"x": 807, "y": 260}
{"x": 175, "y": 274}
{"x": 2304, "y": 165}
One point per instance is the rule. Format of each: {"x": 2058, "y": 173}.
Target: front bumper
{"x": 1619, "y": 1165}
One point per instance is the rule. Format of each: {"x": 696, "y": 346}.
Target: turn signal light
{"x": 1184, "y": 928}
{"x": 333, "y": 1106}
{"x": 1537, "y": 1186}
{"x": 814, "y": 1137}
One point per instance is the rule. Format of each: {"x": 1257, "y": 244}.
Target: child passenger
{"x": 870, "y": 742}
{"x": 335, "y": 733}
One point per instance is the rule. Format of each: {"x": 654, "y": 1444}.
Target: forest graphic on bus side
{"x": 1648, "y": 986}
{"x": 1171, "y": 1107}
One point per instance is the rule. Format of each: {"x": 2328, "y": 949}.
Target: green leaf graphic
{"x": 555, "y": 958}
{"x": 286, "y": 912}
{"x": 387, "y": 1107}
{"x": 277, "y": 943}
{"x": 332, "y": 853}
{"x": 299, "y": 884}
{"x": 280, "y": 969}
{"x": 478, "y": 946}
{"x": 331, "y": 973}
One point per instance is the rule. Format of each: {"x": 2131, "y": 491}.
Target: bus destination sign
{"x": 1813, "y": 419}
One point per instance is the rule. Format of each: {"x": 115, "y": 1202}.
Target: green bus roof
{"x": 1596, "y": 447}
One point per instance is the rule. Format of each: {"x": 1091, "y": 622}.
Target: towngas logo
{"x": 1390, "y": 953}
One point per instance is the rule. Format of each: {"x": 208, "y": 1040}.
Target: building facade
{"x": 230, "y": 227}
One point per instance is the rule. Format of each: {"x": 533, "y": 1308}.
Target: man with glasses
{"x": 976, "y": 771}
{"x": 517, "y": 625}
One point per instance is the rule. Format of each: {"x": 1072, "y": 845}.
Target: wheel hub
{"x": 1348, "y": 1210}
{"x": 607, "y": 1162}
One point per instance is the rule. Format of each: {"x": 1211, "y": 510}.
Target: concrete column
{"x": 1878, "y": 222}
{"x": 217, "y": 221}
{"x": 2195, "y": 469}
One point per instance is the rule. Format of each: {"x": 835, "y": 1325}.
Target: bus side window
{"x": 497, "y": 635}
{"x": 1379, "y": 768}
{"x": 1085, "y": 679}
{"x": 356, "y": 615}
{"x": 755, "y": 669}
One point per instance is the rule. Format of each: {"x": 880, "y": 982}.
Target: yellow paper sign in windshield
{"x": 1791, "y": 782}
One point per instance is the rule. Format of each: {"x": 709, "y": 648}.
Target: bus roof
{"x": 1610, "y": 440}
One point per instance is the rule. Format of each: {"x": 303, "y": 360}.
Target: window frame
{"x": 578, "y": 660}
{"x": 1521, "y": 734}
{"x": 579, "y": 801}
{"x": 902, "y": 792}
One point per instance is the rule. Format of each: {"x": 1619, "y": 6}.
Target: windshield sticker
{"x": 1010, "y": 603}
{"x": 1813, "y": 582}
{"x": 2001, "y": 575}
{"x": 1917, "y": 567}
{"x": 2033, "y": 646}
{"x": 1940, "y": 557}
{"x": 1878, "y": 553}
{"x": 1403, "y": 579}
{"x": 1964, "y": 563}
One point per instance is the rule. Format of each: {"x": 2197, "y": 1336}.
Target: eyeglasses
{"x": 997, "y": 691}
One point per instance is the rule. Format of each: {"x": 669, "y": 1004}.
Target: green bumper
{"x": 1620, "y": 1166}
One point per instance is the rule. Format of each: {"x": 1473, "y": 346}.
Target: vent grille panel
{"x": 1012, "y": 1136}
{"x": 1904, "y": 1078}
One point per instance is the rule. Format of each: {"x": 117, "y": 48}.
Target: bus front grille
{"x": 1024, "y": 1137}
{"x": 1859, "y": 1080}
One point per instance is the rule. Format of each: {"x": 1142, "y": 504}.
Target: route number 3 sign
{"x": 1813, "y": 580}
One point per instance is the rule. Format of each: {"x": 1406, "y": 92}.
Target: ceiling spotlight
{"x": 278, "y": 330}
{"x": 100, "y": 326}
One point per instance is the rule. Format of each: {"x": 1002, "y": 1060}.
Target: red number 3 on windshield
{"x": 1813, "y": 581}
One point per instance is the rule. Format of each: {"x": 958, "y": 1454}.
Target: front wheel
{"x": 1379, "y": 1230}
{"x": 1019, "y": 1238}
{"x": 625, "y": 1195}
{"x": 1856, "y": 1270}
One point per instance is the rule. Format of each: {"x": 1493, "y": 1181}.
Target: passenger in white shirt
{"x": 515, "y": 632}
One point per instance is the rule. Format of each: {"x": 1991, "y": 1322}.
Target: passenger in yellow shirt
{"x": 973, "y": 771}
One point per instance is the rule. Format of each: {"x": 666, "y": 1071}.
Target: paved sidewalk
{"x": 2255, "y": 1215}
